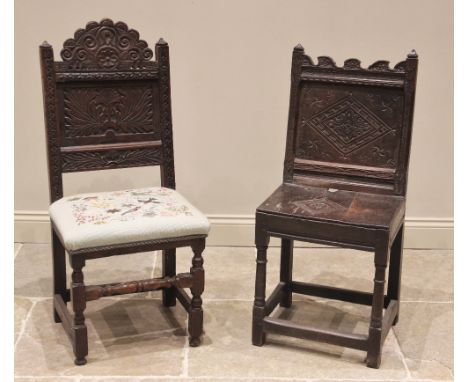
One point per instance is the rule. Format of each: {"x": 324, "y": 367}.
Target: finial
{"x": 412, "y": 54}
{"x": 45, "y": 44}
{"x": 162, "y": 42}
{"x": 299, "y": 47}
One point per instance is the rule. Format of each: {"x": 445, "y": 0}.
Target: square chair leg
{"x": 286, "y": 270}
{"x": 59, "y": 272}
{"x": 169, "y": 269}
{"x": 394, "y": 272}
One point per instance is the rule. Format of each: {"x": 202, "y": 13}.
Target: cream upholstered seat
{"x": 108, "y": 218}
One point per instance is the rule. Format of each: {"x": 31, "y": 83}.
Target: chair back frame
{"x": 107, "y": 105}
{"x": 350, "y": 127}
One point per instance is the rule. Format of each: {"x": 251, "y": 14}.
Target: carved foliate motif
{"x": 106, "y": 46}
{"x": 381, "y": 66}
{"x": 325, "y": 62}
{"x": 352, "y": 63}
{"x": 383, "y": 156}
{"x": 107, "y": 112}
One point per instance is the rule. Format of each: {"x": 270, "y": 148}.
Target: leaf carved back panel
{"x": 105, "y": 114}
{"x": 349, "y": 125}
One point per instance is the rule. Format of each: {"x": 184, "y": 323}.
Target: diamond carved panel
{"x": 348, "y": 125}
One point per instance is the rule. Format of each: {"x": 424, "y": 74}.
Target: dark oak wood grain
{"x": 107, "y": 105}
{"x": 344, "y": 183}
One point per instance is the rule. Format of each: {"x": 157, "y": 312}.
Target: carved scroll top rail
{"x": 325, "y": 62}
{"x": 106, "y": 46}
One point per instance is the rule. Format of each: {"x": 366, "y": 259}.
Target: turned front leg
{"x": 374, "y": 352}
{"x": 78, "y": 297}
{"x": 196, "y": 312}
{"x": 258, "y": 336}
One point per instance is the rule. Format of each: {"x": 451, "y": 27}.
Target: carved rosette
{"x": 106, "y": 46}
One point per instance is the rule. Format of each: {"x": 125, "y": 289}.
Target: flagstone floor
{"x": 134, "y": 338}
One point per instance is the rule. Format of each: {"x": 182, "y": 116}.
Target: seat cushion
{"x": 108, "y": 218}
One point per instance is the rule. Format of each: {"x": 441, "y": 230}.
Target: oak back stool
{"x": 344, "y": 184}
{"x": 107, "y": 105}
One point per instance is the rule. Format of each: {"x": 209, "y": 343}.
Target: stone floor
{"x": 134, "y": 338}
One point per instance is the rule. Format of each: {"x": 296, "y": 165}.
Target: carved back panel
{"x": 107, "y": 104}
{"x": 350, "y": 127}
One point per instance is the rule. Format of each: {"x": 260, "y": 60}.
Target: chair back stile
{"x": 107, "y": 104}
{"x": 350, "y": 127}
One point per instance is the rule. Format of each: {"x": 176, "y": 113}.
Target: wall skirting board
{"x": 238, "y": 230}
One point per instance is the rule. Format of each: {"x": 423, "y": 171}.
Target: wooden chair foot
{"x": 80, "y": 361}
{"x": 195, "y": 327}
{"x": 194, "y": 342}
{"x": 258, "y": 335}
{"x": 80, "y": 344}
{"x": 258, "y": 339}
{"x": 57, "y": 319}
{"x": 287, "y": 301}
{"x": 169, "y": 297}
{"x": 373, "y": 362}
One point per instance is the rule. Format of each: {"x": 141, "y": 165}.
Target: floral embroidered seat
{"x": 108, "y": 218}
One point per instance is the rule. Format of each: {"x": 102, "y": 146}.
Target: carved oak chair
{"x": 344, "y": 184}
{"x": 107, "y": 106}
